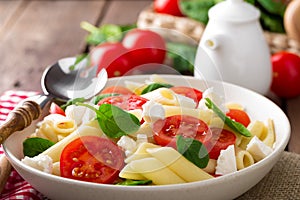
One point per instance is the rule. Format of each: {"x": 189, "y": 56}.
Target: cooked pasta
{"x": 243, "y": 158}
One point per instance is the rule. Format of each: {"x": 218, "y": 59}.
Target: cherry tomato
{"x": 165, "y": 130}
{"x": 239, "y": 116}
{"x": 113, "y": 57}
{"x": 192, "y": 93}
{"x": 220, "y": 140}
{"x": 170, "y": 7}
{"x": 145, "y": 47}
{"x": 286, "y": 74}
{"x": 92, "y": 159}
{"x": 126, "y": 102}
{"x": 116, "y": 90}
{"x": 56, "y": 109}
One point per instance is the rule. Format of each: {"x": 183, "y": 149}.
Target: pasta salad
{"x": 150, "y": 133}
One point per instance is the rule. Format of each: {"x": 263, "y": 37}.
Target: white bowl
{"x": 226, "y": 187}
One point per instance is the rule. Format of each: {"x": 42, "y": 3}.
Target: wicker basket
{"x": 194, "y": 29}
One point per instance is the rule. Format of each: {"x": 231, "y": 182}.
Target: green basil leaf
{"x": 72, "y": 102}
{"x": 34, "y": 146}
{"x": 182, "y": 57}
{"x": 235, "y": 126}
{"x": 116, "y": 122}
{"x": 197, "y": 9}
{"x": 274, "y": 6}
{"x": 155, "y": 86}
{"x": 193, "y": 150}
{"x": 130, "y": 182}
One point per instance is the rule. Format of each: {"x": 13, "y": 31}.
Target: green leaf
{"x": 193, "y": 150}
{"x": 72, "y": 102}
{"x": 79, "y": 58}
{"x": 155, "y": 86}
{"x": 183, "y": 57}
{"x": 114, "y": 121}
{"x": 104, "y": 33}
{"x": 235, "y": 126}
{"x": 197, "y": 9}
{"x": 130, "y": 182}
{"x": 273, "y": 6}
{"x": 34, "y": 146}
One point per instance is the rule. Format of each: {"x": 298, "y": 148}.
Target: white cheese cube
{"x": 258, "y": 149}
{"x": 226, "y": 162}
{"x": 41, "y": 162}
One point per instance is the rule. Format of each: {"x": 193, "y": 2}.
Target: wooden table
{"x": 34, "y": 34}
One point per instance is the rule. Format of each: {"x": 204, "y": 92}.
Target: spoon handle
{"x": 19, "y": 119}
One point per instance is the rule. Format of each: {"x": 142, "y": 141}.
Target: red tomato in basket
{"x": 126, "y": 102}
{"x": 116, "y": 90}
{"x": 170, "y": 7}
{"x": 145, "y": 47}
{"x": 56, "y": 109}
{"x": 192, "y": 93}
{"x": 166, "y": 130}
{"x": 286, "y": 74}
{"x": 220, "y": 140}
{"x": 92, "y": 159}
{"x": 113, "y": 57}
{"x": 239, "y": 116}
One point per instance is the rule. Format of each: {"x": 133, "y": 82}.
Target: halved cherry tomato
{"x": 116, "y": 90}
{"x": 166, "y": 130}
{"x": 145, "y": 47}
{"x": 192, "y": 93}
{"x": 220, "y": 140}
{"x": 126, "y": 102}
{"x": 239, "y": 116}
{"x": 92, "y": 159}
{"x": 56, "y": 109}
{"x": 113, "y": 57}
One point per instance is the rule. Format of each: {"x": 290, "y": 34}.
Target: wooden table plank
{"x": 124, "y": 12}
{"x": 293, "y": 107}
{"x": 44, "y": 32}
{"x": 8, "y": 12}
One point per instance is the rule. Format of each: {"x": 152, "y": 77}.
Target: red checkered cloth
{"x": 16, "y": 187}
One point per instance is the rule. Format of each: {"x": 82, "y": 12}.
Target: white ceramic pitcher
{"x": 233, "y": 47}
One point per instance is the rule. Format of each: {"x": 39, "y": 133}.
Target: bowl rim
{"x": 275, "y": 154}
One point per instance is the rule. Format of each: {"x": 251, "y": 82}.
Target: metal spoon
{"x": 59, "y": 82}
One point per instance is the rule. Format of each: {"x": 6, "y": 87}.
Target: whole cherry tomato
{"x": 113, "y": 57}
{"x": 92, "y": 159}
{"x": 286, "y": 74}
{"x": 170, "y": 7}
{"x": 166, "y": 130}
{"x": 145, "y": 47}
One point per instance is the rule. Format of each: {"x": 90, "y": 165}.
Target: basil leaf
{"x": 98, "y": 98}
{"x": 34, "y": 146}
{"x": 72, "y": 102}
{"x": 182, "y": 57}
{"x": 193, "y": 150}
{"x": 116, "y": 122}
{"x": 197, "y": 9}
{"x": 155, "y": 86}
{"x": 235, "y": 126}
{"x": 134, "y": 182}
